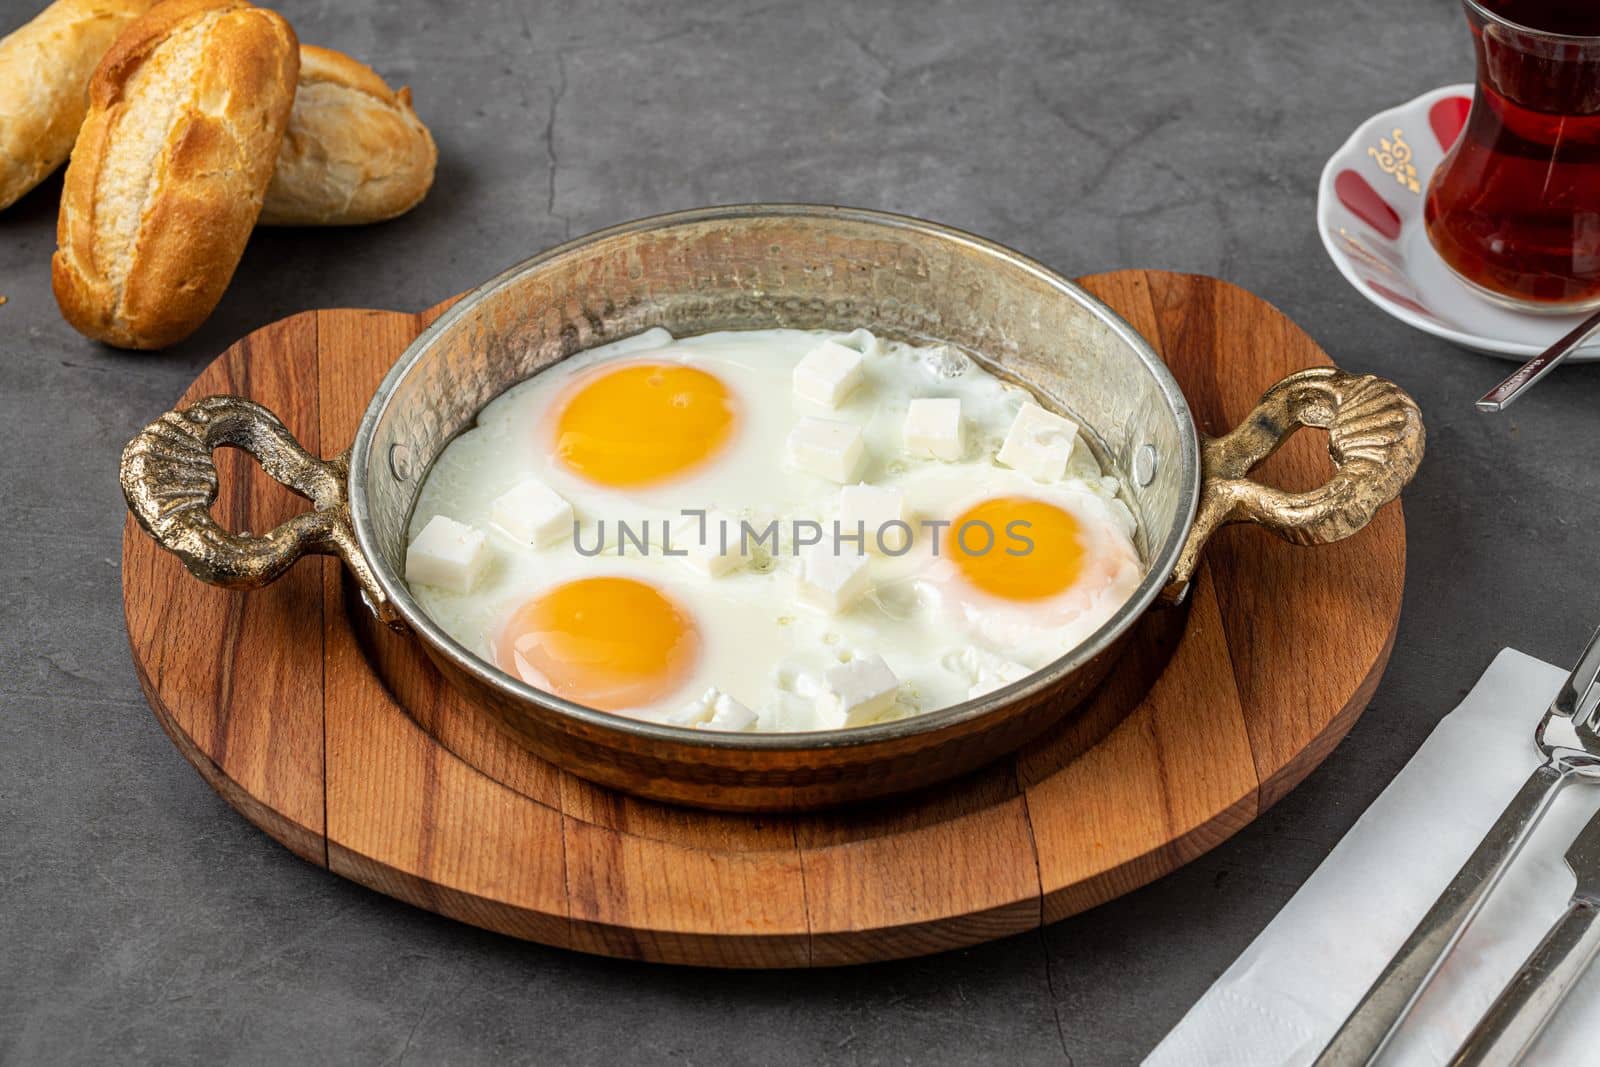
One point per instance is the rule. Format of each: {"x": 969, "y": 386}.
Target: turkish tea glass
{"x": 1514, "y": 208}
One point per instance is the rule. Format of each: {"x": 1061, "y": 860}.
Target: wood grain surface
{"x": 337, "y": 737}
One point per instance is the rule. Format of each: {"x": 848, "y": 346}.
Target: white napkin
{"x": 1283, "y": 998}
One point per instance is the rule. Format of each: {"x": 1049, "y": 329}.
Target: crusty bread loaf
{"x": 355, "y": 151}
{"x": 44, "y": 85}
{"x": 186, "y": 113}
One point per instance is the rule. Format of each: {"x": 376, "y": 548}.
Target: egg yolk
{"x": 611, "y": 643}
{"x": 989, "y": 544}
{"x": 643, "y": 423}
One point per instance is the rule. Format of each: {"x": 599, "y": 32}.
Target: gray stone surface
{"x": 141, "y": 919}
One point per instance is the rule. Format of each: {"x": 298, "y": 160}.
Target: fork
{"x": 1569, "y": 739}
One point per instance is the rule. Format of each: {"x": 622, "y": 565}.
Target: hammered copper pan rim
{"x": 1157, "y": 569}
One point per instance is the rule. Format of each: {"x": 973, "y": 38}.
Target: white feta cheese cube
{"x": 697, "y": 711}
{"x": 832, "y": 581}
{"x": 933, "y": 428}
{"x": 447, "y": 554}
{"x": 789, "y": 713}
{"x": 714, "y": 710}
{"x": 857, "y": 691}
{"x": 1039, "y": 443}
{"x": 714, "y": 548}
{"x": 869, "y": 509}
{"x": 987, "y": 671}
{"x": 532, "y": 513}
{"x": 728, "y": 714}
{"x": 826, "y": 448}
{"x": 827, "y": 374}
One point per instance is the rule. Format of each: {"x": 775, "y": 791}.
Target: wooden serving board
{"x": 339, "y": 740}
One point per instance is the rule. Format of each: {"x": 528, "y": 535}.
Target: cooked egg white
{"x": 634, "y": 433}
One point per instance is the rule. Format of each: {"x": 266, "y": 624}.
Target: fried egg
{"x": 689, "y": 578}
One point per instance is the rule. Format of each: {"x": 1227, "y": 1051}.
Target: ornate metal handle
{"x": 170, "y": 481}
{"x": 1375, "y": 437}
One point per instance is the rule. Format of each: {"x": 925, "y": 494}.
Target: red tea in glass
{"x": 1515, "y": 207}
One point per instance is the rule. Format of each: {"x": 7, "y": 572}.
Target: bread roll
{"x": 186, "y": 113}
{"x": 355, "y": 151}
{"x": 44, "y": 85}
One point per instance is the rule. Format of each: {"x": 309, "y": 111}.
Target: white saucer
{"x": 1369, "y": 212}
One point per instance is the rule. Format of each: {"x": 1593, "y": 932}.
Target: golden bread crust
{"x": 187, "y": 111}
{"x": 45, "y": 67}
{"x": 355, "y": 151}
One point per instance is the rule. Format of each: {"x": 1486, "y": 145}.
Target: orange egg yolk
{"x": 990, "y": 546}
{"x": 643, "y": 423}
{"x": 611, "y": 643}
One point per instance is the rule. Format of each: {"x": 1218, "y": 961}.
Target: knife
{"x": 1532, "y": 996}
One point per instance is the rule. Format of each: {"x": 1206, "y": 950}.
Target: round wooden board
{"x": 296, "y": 711}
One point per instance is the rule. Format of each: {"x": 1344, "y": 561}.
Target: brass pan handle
{"x": 170, "y": 481}
{"x": 1375, "y": 438}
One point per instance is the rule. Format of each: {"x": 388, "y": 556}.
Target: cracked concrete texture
{"x": 140, "y": 919}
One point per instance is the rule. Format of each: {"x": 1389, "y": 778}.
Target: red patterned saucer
{"x": 1369, "y": 212}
